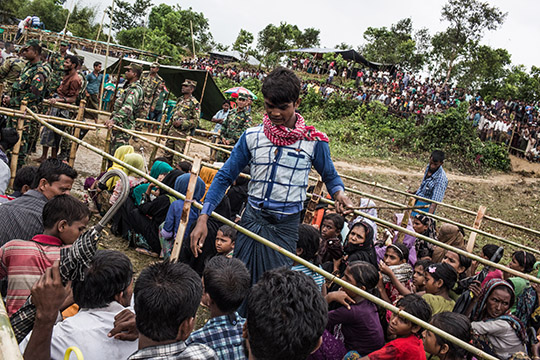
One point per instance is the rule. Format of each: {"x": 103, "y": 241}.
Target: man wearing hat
{"x": 30, "y": 87}
{"x": 185, "y": 117}
{"x": 126, "y": 107}
{"x": 150, "y": 82}
{"x": 238, "y": 120}
{"x": 11, "y": 70}
{"x": 56, "y": 60}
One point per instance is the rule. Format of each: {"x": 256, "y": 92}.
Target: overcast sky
{"x": 346, "y": 20}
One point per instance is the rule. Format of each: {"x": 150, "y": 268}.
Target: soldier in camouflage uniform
{"x": 56, "y": 61}
{"x": 30, "y": 87}
{"x": 126, "y": 107}
{"x": 10, "y": 71}
{"x": 237, "y": 121}
{"x": 185, "y": 118}
{"x": 150, "y": 82}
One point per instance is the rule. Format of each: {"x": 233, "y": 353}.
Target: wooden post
{"x": 113, "y": 99}
{"x": 107, "y": 149}
{"x": 186, "y": 209}
{"x": 477, "y": 223}
{"x": 213, "y": 152}
{"x": 74, "y": 146}
{"x": 406, "y": 217}
{"x": 310, "y": 209}
{"x": 188, "y": 143}
{"x": 17, "y": 147}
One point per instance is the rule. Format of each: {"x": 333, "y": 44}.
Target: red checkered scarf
{"x": 282, "y": 136}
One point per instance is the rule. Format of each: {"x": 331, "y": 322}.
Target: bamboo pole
{"x": 406, "y": 217}
{"x": 106, "y": 54}
{"x": 17, "y": 147}
{"x": 74, "y": 146}
{"x": 192, "y": 39}
{"x": 219, "y": 147}
{"x": 113, "y": 99}
{"x": 203, "y": 88}
{"x": 186, "y": 210}
{"x": 298, "y": 259}
{"x": 312, "y": 205}
{"x": 10, "y": 347}
{"x": 107, "y": 149}
{"x": 99, "y": 31}
{"x": 52, "y": 119}
{"x": 187, "y": 145}
{"x": 450, "y": 206}
{"x": 477, "y": 223}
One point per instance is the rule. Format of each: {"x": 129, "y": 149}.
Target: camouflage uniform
{"x": 10, "y": 71}
{"x": 150, "y": 85}
{"x": 56, "y": 62}
{"x": 126, "y": 109}
{"x": 188, "y": 112}
{"x": 233, "y": 127}
{"x": 31, "y": 87}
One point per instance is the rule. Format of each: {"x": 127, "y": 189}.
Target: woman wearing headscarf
{"x": 159, "y": 168}
{"x": 120, "y": 154}
{"x": 448, "y": 234}
{"x": 136, "y": 161}
{"x": 495, "y": 331}
{"x": 143, "y": 222}
{"x": 424, "y": 225}
{"x": 359, "y": 244}
{"x": 172, "y": 220}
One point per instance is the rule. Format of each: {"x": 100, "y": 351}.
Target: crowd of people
{"x": 262, "y": 304}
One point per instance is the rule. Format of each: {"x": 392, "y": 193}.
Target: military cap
{"x": 155, "y": 64}
{"x": 136, "y": 67}
{"x": 31, "y": 42}
{"x": 243, "y": 96}
{"x": 190, "y": 82}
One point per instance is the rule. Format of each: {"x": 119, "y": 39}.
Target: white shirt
{"x": 501, "y": 335}
{"x": 88, "y": 331}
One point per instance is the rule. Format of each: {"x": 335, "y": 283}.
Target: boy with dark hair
{"x": 22, "y": 217}
{"x": 167, "y": 296}
{"x": 8, "y": 138}
{"x": 24, "y": 178}
{"x": 307, "y": 247}
{"x": 225, "y": 238}
{"x": 226, "y": 284}
{"x": 24, "y": 261}
{"x": 280, "y": 153}
{"x": 286, "y": 316}
{"x": 408, "y": 344}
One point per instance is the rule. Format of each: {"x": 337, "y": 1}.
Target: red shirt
{"x": 23, "y": 262}
{"x": 409, "y": 348}
{"x": 70, "y": 86}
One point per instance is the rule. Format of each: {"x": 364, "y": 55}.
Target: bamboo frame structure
{"x": 473, "y": 350}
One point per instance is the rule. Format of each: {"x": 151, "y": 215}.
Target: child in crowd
{"x": 331, "y": 248}
{"x": 395, "y": 266}
{"x": 419, "y": 276}
{"x": 522, "y": 261}
{"x": 440, "y": 279}
{"x": 24, "y": 261}
{"x": 454, "y": 324}
{"x": 226, "y": 284}
{"x": 225, "y": 238}
{"x": 424, "y": 225}
{"x": 357, "y": 324}
{"x": 461, "y": 264}
{"x": 408, "y": 344}
{"x": 24, "y": 179}
{"x": 488, "y": 252}
{"x": 306, "y": 248}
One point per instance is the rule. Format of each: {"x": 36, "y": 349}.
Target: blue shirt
{"x": 270, "y": 164}
{"x": 223, "y": 334}
{"x": 94, "y": 83}
{"x": 318, "y": 278}
{"x": 433, "y": 187}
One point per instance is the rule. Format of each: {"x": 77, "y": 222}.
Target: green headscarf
{"x": 159, "y": 167}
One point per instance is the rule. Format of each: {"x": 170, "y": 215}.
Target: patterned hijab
{"x": 281, "y": 135}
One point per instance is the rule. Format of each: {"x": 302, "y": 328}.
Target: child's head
{"x": 396, "y": 254}
{"x": 308, "y": 242}
{"x": 226, "y": 283}
{"x": 459, "y": 262}
{"x": 281, "y": 87}
{"x": 65, "y": 217}
{"x": 419, "y": 276}
{"x": 225, "y": 238}
{"x": 24, "y": 179}
{"x": 331, "y": 226}
{"x": 420, "y": 223}
{"x": 362, "y": 275}
{"x": 417, "y": 307}
{"x": 454, "y": 324}
{"x": 490, "y": 249}
{"x": 286, "y": 316}
{"x": 440, "y": 277}
{"x": 522, "y": 261}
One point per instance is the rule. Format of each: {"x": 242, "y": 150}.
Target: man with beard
{"x": 126, "y": 107}
{"x": 66, "y": 93}
{"x": 185, "y": 118}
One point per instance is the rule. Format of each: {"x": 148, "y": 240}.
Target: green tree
{"x": 127, "y": 15}
{"x": 52, "y": 14}
{"x": 82, "y": 22}
{"x": 243, "y": 43}
{"x": 468, "y": 20}
{"x": 398, "y": 45}
{"x": 308, "y": 38}
{"x": 343, "y": 46}
{"x": 520, "y": 84}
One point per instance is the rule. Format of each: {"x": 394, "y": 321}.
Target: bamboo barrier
{"x": 73, "y": 151}
{"x": 312, "y": 205}
{"x": 477, "y": 223}
{"x": 473, "y": 350}
{"x": 405, "y": 220}
{"x": 17, "y": 147}
{"x": 450, "y": 206}
{"x": 53, "y": 119}
{"x": 194, "y": 175}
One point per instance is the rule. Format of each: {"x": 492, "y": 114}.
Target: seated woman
{"x": 136, "y": 161}
{"x": 448, "y": 234}
{"x": 495, "y": 331}
{"x": 158, "y": 171}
